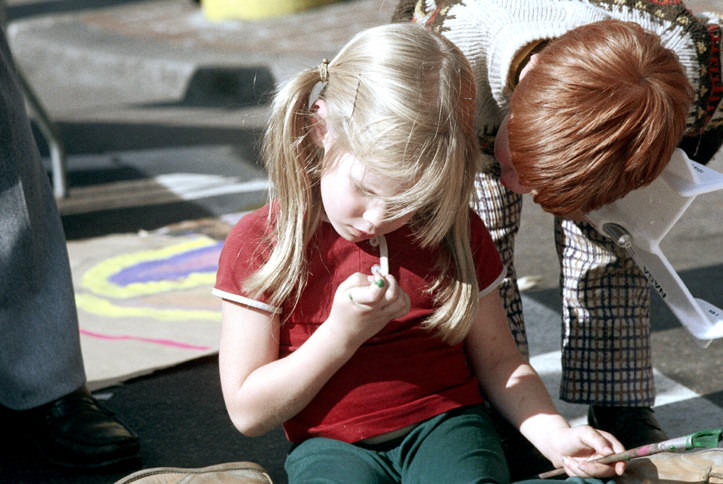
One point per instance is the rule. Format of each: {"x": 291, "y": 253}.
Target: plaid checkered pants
{"x": 605, "y": 305}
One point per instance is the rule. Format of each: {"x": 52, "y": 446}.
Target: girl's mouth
{"x": 357, "y": 233}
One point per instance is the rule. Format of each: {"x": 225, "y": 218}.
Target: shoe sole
{"x": 230, "y": 472}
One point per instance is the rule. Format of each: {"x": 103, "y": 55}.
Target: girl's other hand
{"x": 580, "y": 446}
{"x": 364, "y": 304}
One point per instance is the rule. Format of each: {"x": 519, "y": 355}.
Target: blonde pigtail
{"x": 293, "y": 164}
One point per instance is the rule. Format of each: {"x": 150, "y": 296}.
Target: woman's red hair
{"x": 599, "y": 115}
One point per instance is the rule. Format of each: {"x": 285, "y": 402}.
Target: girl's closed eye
{"x": 354, "y": 198}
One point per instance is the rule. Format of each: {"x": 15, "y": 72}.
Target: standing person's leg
{"x": 40, "y": 360}
{"x": 501, "y": 209}
{"x": 606, "y": 360}
{"x": 41, "y": 367}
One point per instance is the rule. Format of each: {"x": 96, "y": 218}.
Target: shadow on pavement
{"x": 102, "y": 137}
{"x": 226, "y": 87}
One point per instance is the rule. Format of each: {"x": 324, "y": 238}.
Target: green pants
{"x": 460, "y": 446}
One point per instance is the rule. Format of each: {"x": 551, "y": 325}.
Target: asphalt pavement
{"x": 153, "y": 101}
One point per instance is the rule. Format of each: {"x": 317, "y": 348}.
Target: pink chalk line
{"x": 164, "y": 342}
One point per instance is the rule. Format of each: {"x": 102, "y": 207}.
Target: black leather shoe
{"x": 633, "y": 426}
{"x": 74, "y": 431}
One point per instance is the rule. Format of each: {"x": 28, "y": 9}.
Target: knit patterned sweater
{"x": 491, "y": 32}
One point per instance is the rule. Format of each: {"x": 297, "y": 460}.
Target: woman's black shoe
{"x": 74, "y": 431}
{"x": 633, "y": 426}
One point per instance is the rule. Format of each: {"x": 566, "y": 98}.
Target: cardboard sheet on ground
{"x": 144, "y": 302}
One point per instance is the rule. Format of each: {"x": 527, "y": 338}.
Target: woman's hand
{"x": 364, "y": 304}
{"x": 578, "y": 447}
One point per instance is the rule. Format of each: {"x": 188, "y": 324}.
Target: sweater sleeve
{"x": 705, "y": 134}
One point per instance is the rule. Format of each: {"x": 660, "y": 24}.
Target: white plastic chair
{"x": 640, "y": 220}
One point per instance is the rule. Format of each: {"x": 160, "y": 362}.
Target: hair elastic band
{"x": 324, "y": 70}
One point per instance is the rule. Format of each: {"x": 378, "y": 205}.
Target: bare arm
{"x": 261, "y": 390}
{"x": 517, "y": 391}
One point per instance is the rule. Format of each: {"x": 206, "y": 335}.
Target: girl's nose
{"x": 374, "y": 214}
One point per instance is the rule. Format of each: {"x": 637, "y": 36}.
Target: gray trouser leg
{"x": 40, "y": 357}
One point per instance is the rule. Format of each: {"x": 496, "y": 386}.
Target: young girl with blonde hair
{"x": 360, "y": 306}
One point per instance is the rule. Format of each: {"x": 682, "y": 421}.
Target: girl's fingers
{"x": 354, "y": 281}
{"x": 365, "y": 291}
{"x": 397, "y": 298}
{"x": 399, "y": 302}
{"x": 592, "y": 469}
{"x": 381, "y": 292}
{"x": 611, "y": 440}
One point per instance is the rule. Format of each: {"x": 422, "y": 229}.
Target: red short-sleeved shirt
{"x": 401, "y": 376}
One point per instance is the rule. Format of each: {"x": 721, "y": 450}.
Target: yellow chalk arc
{"x": 103, "y": 307}
{"x": 97, "y": 278}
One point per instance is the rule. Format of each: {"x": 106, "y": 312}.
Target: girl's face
{"x": 353, "y": 200}
{"x": 508, "y": 175}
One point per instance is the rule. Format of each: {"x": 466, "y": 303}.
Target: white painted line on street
{"x": 162, "y": 189}
{"x": 192, "y": 186}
